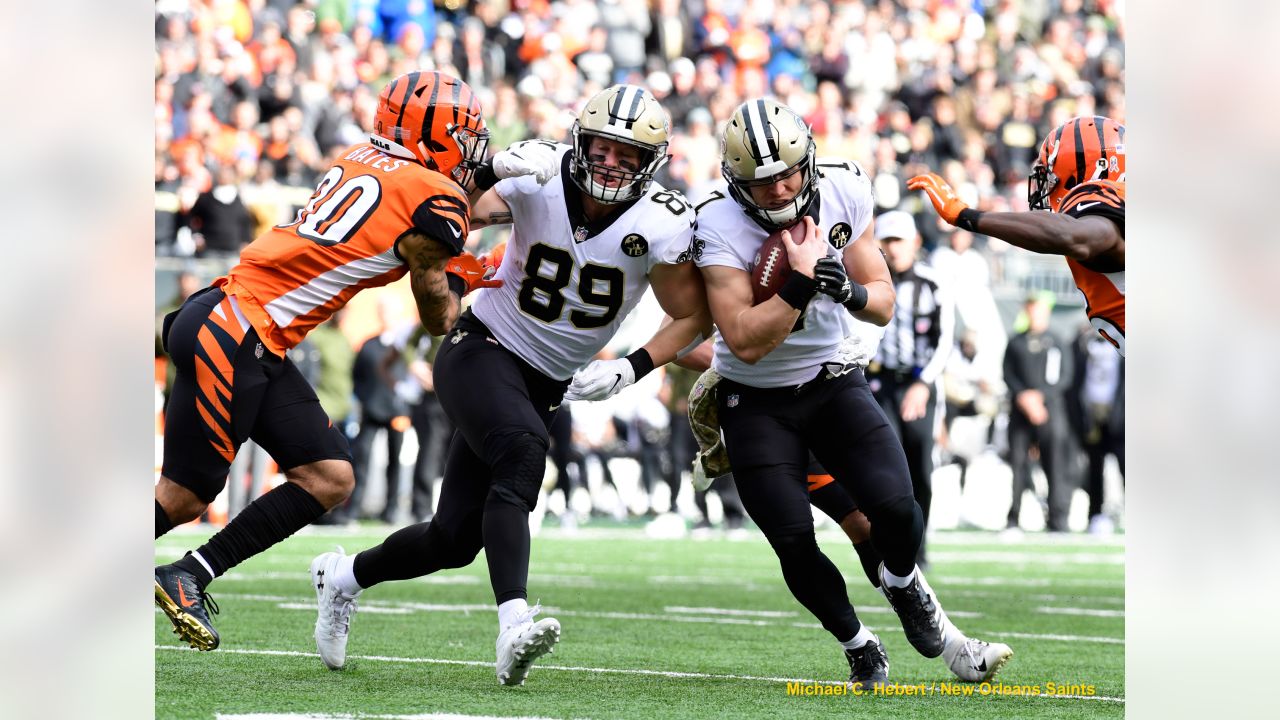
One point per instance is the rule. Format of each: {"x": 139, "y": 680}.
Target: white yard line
{"x": 1090, "y": 612}
{"x": 573, "y": 668}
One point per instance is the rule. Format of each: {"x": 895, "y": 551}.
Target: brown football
{"x": 771, "y": 266}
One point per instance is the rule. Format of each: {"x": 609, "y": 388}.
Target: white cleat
{"x": 333, "y": 620}
{"x": 974, "y": 660}
{"x": 522, "y": 643}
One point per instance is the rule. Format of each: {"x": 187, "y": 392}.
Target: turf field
{"x": 651, "y": 629}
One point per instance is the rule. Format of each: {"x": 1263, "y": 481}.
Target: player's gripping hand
{"x": 833, "y": 281}
{"x": 944, "y": 199}
{"x": 529, "y": 157}
{"x": 601, "y": 379}
{"x": 472, "y": 272}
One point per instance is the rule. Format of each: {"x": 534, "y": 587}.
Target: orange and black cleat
{"x": 187, "y": 605}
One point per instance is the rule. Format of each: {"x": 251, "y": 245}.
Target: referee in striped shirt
{"x": 917, "y": 342}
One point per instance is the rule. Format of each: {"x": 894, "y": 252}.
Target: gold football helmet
{"x": 762, "y": 143}
{"x": 626, "y": 114}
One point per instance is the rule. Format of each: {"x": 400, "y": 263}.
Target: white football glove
{"x": 530, "y": 157}
{"x": 854, "y": 350}
{"x": 601, "y": 379}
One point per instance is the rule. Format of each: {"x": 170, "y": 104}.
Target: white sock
{"x": 894, "y": 581}
{"x": 345, "y": 576}
{"x": 204, "y": 563}
{"x": 510, "y": 611}
{"x": 863, "y": 637}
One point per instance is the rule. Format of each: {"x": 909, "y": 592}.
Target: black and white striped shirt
{"x": 921, "y": 333}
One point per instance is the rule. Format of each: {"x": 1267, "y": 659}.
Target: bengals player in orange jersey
{"x": 397, "y": 204}
{"x": 1079, "y": 176}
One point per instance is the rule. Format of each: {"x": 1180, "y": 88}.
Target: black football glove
{"x": 834, "y": 282}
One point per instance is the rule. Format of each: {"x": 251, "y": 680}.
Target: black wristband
{"x": 798, "y": 290}
{"x": 968, "y": 219}
{"x": 641, "y": 363}
{"x": 858, "y": 300}
{"x": 457, "y": 285}
{"x": 484, "y": 176}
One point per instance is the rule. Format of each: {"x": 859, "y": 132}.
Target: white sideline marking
{"x": 1064, "y": 638}
{"x": 572, "y": 668}
{"x": 1091, "y": 612}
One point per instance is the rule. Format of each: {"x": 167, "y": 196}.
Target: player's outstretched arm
{"x": 489, "y": 209}
{"x": 438, "y": 307}
{"x": 1082, "y": 239}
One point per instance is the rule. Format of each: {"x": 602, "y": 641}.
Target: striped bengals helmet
{"x": 432, "y": 118}
{"x": 1080, "y": 150}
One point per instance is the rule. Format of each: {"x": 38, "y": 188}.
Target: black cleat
{"x": 187, "y": 605}
{"x": 918, "y": 611}
{"x": 868, "y": 667}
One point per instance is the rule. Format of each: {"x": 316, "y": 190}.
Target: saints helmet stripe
{"x": 628, "y": 97}
{"x": 404, "y": 101}
{"x": 768, "y": 131}
{"x": 753, "y": 122}
{"x": 633, "y": 113}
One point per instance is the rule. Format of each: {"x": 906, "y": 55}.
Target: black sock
{"x": 194, "y": 566}
{"x": 870, "y": 560}
{"x": 265, "y": 522}
{"x": 406, "y": 553}
{"x": 506, "y": 535}
{"x": 163, "y": 525}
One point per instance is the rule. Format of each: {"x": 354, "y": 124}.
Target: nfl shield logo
{"x": 580, "y": 234}
{"x": 732, "y": 401}
{"x": 257, "y": 352}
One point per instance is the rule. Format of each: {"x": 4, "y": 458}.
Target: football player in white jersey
{"x": 784, "y": 392}
{"x": 970, "y": 659}
{"x": 584, "y": 248}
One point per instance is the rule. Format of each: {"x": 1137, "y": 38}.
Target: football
{"x": 771, "y": 267}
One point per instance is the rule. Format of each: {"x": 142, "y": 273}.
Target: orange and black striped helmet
{"x": 1079, "y": 150}
{"x": 435, "y": 119}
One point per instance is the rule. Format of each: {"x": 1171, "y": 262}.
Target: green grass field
{"x": 651, "y": 629}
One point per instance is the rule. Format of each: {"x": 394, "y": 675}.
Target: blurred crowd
{"x": 255, "y": 98}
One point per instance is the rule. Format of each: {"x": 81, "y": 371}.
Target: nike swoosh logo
{"x": 182, "y": 597}
{"x": 982, "y": 667}
{"x": 1082, "y": 206}
{"x": 456, "y": 232}
{"x": 617, "y": 378}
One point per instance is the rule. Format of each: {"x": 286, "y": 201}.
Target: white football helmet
{"x": 763, "y": 142}
{"x": 626, "y": 114}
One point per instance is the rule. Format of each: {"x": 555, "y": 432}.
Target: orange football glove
{"x": 472, "y": 272}
{"x": 493, "y": 258}
{"x": 944, "y": 199}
